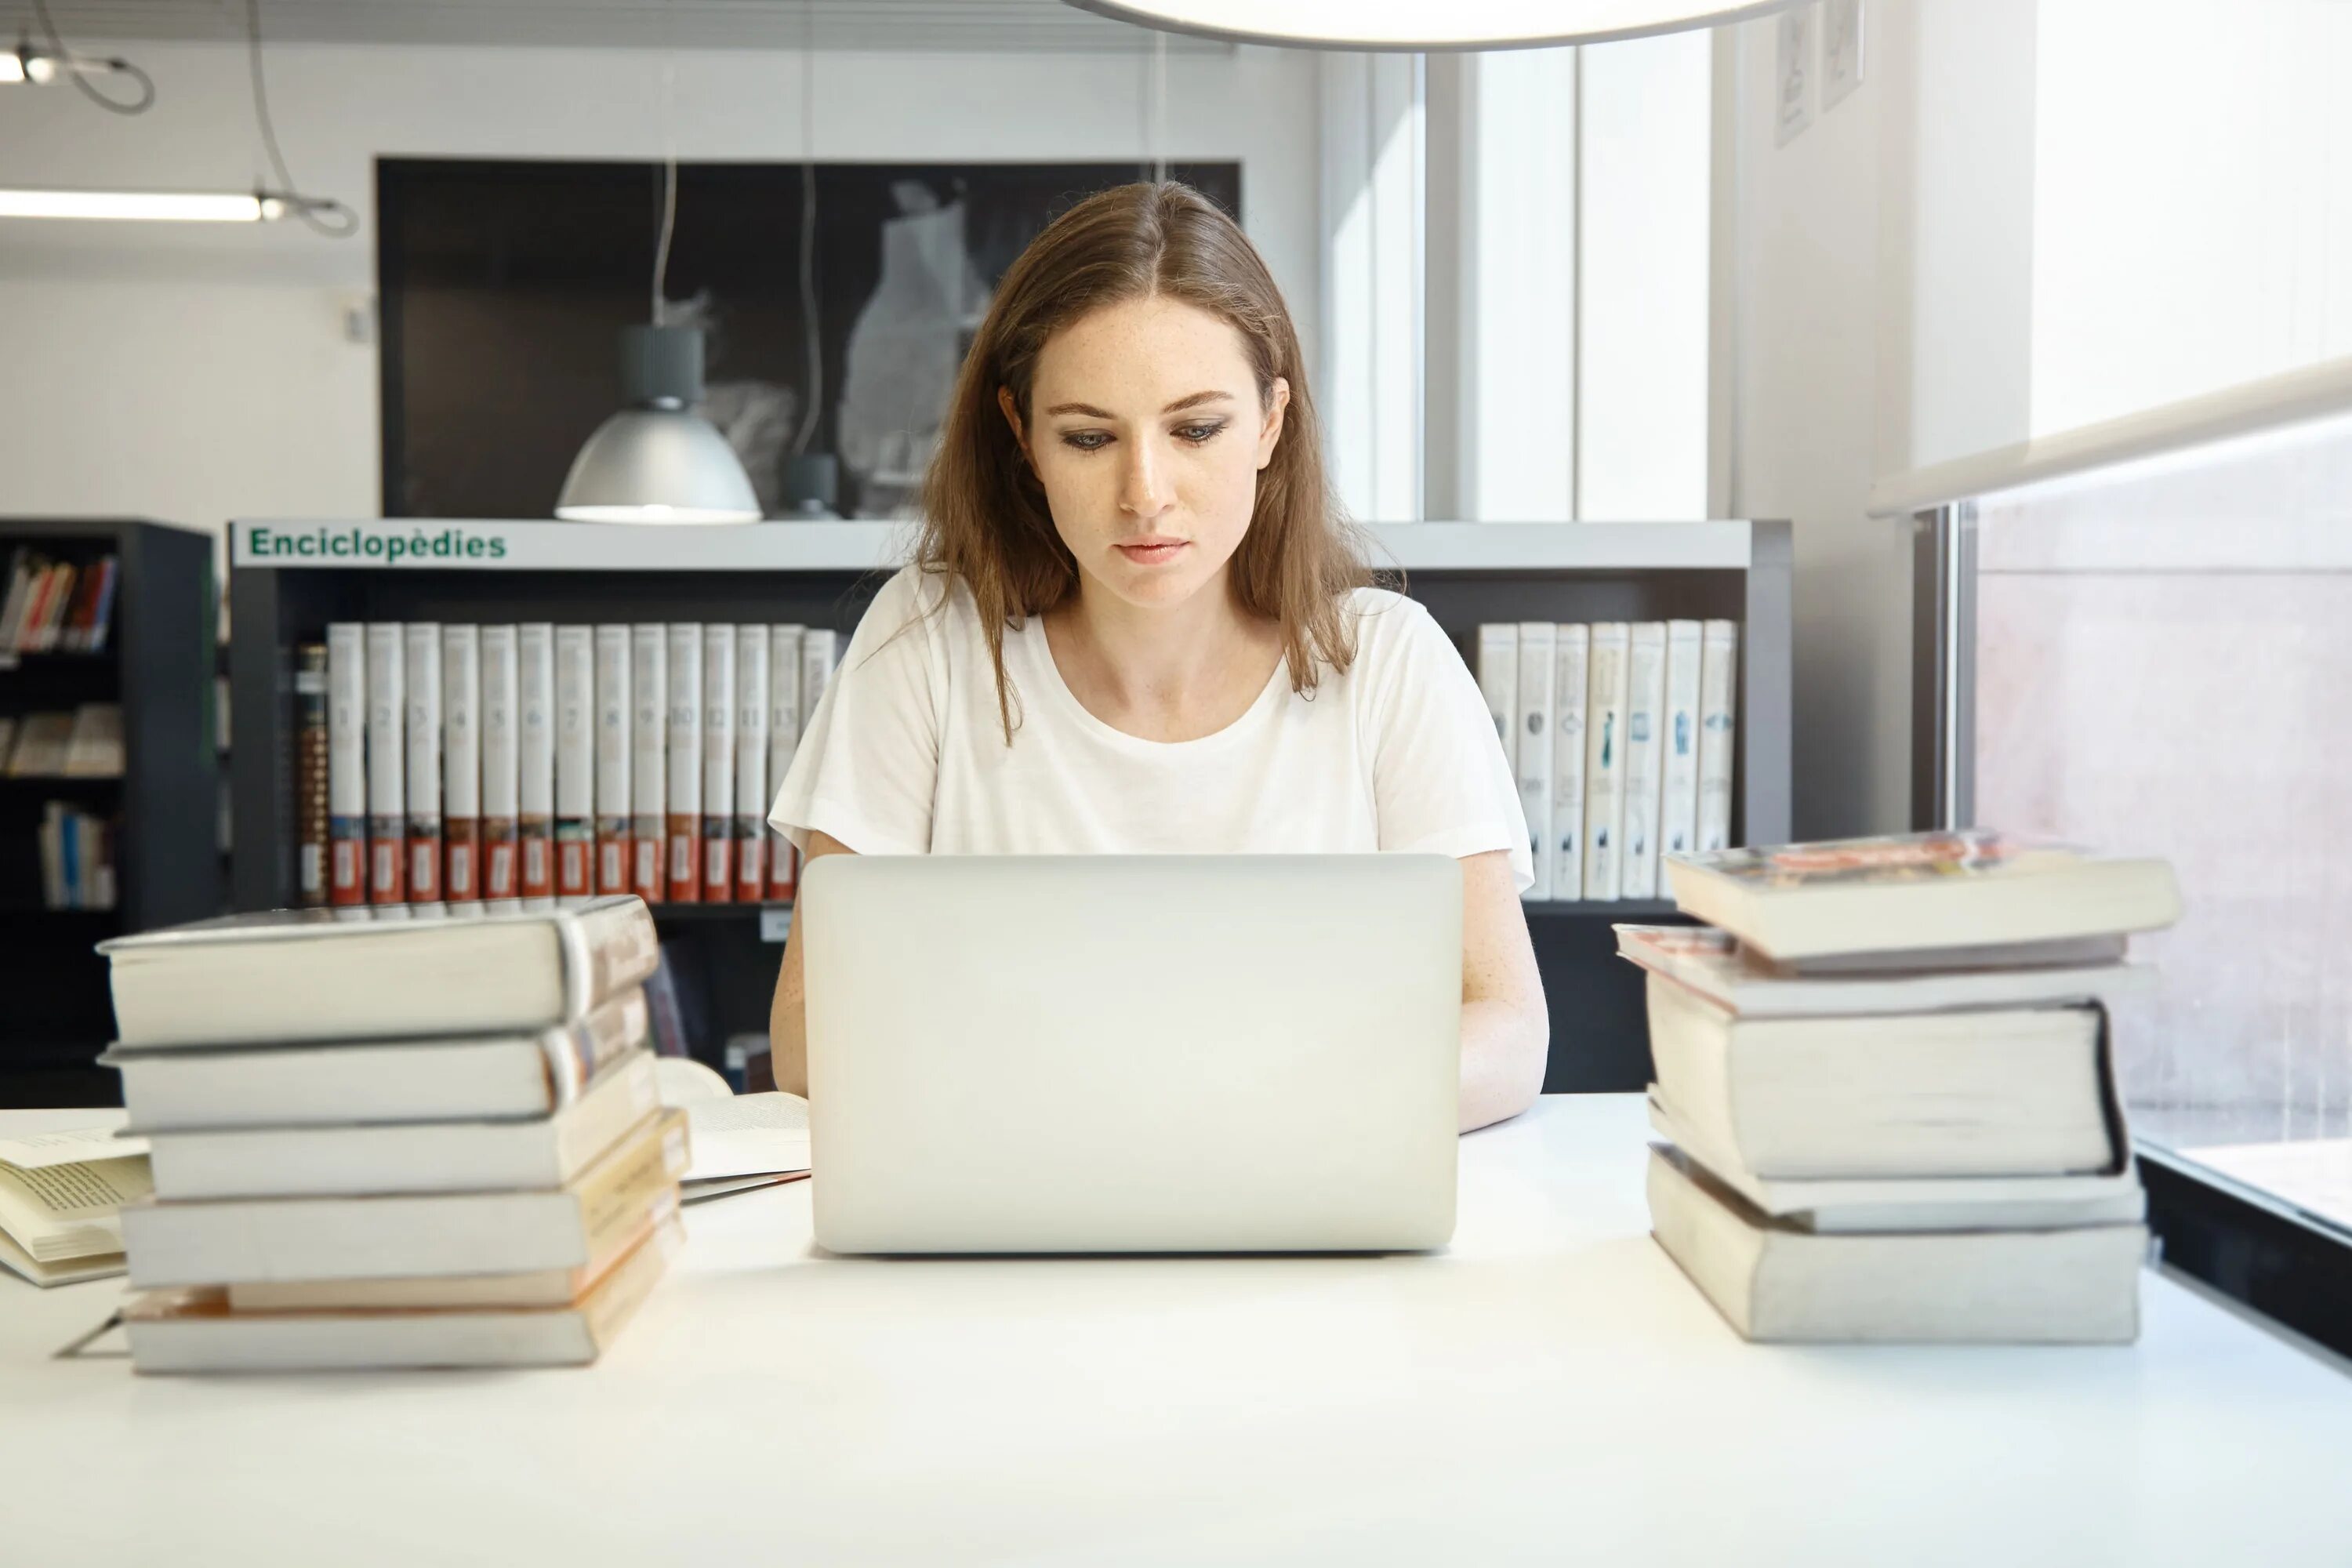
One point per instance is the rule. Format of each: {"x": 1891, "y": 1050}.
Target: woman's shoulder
{"x": 929, "y": 607}
{"x": 1389, "y": 626}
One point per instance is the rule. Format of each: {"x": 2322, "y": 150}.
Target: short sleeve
{"x": 1440, "y": 781}
{"x": 868, "y": 760}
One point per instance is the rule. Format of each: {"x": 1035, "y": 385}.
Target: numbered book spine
{"x": 461, "y": 764}
{"x": 1604, "y": 760}
{"x": 1499, "y": 678}
{"x": 387, "y": 796}
{"x": 819, "y": 651}
{"x": 718, "y": 764}
{"x": 347, "y": 812}
{"x": 1572, "y": 657}
{"x": 313, "y": 761}
{"x": 1718, "y": 684}
{"x": 423, "y": 741}
{"x": 535, "y": 759}
{"x": 1538, "y": 668}
{"x": 1645, "y": 701}
{"x": 752, "y": 784}
{"x": 783, "y": 738}
{"x": 614, "y": 761}
{"x": 1678, "y": 810}
{"x": 575, "y": 764}
{"x": 686, "y": 762}
{"x": 648, "y": 757}
{"x": 501, "y": 765}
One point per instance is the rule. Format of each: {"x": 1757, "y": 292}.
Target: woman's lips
{"x": 1153, "y": 552}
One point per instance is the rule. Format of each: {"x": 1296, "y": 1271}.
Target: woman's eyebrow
{"x": 1091, "y": 412}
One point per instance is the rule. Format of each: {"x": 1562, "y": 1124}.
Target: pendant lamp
{"x": 658, "y": 460}
{"x": 1420, "y": 25}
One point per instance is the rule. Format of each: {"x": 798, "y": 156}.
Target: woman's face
{"x": 1148, "y": 435}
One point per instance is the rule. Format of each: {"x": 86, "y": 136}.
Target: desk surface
{"x": 1548, "y": 1389}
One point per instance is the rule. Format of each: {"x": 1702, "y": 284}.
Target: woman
{"x": 1135, "y": 623}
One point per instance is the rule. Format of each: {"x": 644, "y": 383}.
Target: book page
{"x": 747, "y": 1134}
{"x": 57, "y": 1211}
{"x": 31, "y": 1151}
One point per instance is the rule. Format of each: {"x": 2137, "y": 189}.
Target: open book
{"x": 60, "y": 1207}
{"x": 745, "y": 1141}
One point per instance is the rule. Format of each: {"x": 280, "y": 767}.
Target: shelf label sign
{"x": 386, "y": 544}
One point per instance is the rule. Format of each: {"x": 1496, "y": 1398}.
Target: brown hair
{"x": 984, "y": 516}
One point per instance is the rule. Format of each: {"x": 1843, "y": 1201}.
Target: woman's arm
{"x": 1506, "y": 1031}
{"x": 787, "y": 1022}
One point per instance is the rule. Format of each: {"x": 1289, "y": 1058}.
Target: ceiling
{"x": 926, "y": 24}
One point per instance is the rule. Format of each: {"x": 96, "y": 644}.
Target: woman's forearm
{"x": 1504, "y": 1046}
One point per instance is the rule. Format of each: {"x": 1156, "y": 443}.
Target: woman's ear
{"x": 1013, "y": 418}
{"x": 1270, "y": 434}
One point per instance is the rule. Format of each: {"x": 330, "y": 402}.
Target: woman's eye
{"x": 1198, "y": 434}
{"x": 1087, "y": 440}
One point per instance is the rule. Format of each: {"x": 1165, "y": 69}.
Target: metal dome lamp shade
{"x": 656, "y": 460}
{"x": 1420, "y": 24}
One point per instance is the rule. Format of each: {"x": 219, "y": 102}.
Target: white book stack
{"x": 1884, "y": 1092}
{"x": 380, "y": 1144}
{"x": 532, "y": 762}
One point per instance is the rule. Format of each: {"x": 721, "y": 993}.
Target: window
{"x": 2163, "y": 662}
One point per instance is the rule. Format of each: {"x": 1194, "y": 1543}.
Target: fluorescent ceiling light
{"x": 181, "y": 207}
{"x": 1420, "y": 24}
{"x": 11, "y": 66}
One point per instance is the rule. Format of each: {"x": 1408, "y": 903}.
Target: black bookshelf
{"x": 289, "y": 580}
{"x": 158, "y": 664}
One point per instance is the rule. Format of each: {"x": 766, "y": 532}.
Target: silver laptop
{"x": 1133, "y": 1053}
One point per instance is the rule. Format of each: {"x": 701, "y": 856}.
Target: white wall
{"x": 197, "y": 374}
{"x": 1881, "y": 271}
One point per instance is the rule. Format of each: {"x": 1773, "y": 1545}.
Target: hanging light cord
{"x": 815, "y": 399}
{"x": 71, "y": 62}
{"x": 323, "y": 214}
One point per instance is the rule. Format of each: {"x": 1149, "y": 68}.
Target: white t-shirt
{"x": 905, "y": 753}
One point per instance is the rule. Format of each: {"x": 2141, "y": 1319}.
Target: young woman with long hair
{"x": 1137, "y": 622}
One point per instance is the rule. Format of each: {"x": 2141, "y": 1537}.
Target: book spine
{"x": 1645, "y": 700}
{"x": 1572, "y": 657}
{"x": 535, "y": 762}
{"x": 461, "y": 764}
{"x": 718, "y": 764}
{"x": 501, "y": 763}
{"x": 1604, "y": 760}
{"x": 102, "y": 617}
{"x": 648, "y": 758}
{"x": 613, "y": 759}
{"x": 347, "y": 823}
{"x": 1718, "y": 684}
{"x": 312, "y": 763}
{"x": 575, "y": 764}
{"x": 387, "y": 718}
{"x": 1538, "y": 668}
{"x": 685, "y": 724}
{"x": 819, "y": 649}
{"x": 1678, "y": 808}
{"x": 783, "y": 738}
{"x": 752, "y": 782}
{"x": 1499, "y": 678}
{"x": 423, "y": 739}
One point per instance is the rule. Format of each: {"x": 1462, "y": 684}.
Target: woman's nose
{"x": 1143, "y": 488}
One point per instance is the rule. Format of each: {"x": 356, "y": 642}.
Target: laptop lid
{"x": 1132, "y": 1053}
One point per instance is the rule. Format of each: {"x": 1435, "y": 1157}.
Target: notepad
{"x": 746, "y": 1136}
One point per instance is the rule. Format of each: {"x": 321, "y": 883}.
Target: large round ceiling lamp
{"x": 1427, "y": 25}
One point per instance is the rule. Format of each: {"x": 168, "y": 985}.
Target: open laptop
{"x": 1132, "y": 1053}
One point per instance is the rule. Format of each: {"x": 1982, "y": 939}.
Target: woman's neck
{"x": 1163, "y": 673}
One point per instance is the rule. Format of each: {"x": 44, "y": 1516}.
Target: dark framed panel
{"x": 503, "y": 285}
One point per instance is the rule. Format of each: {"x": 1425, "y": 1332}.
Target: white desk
{"x": 1550, "y": 1390}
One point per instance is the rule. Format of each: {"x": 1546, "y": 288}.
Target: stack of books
{"x": 1621, "y": 735}
{"x": 1885, "y": 1088}
{"x": 465, "y": 764}
{"x": 56, "y": 606}
{"x": 393, "y": 1143}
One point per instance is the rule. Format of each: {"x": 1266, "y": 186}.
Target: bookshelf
{"x": 289, "y": 578}
{"x": 157, "y": 663}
